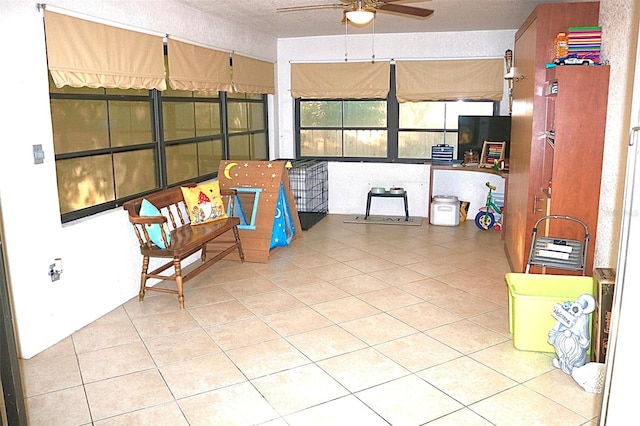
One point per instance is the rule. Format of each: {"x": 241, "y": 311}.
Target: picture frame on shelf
{"x": 491, "y": 151}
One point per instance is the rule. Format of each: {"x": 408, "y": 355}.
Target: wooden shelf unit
{"x": 526, "y": 200}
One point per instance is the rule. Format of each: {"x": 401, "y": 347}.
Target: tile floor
{"x": 350, "y": 325}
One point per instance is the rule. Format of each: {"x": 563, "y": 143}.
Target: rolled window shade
{"x": 197, "y": 68}
{"x": 82, "y": 53}
{"x": 446, "y": 80}
{"x": 348, "y": 80}
{"x": 252, "y": 75}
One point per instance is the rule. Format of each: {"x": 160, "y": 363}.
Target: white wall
{"x": 350, "y": 182}
{"x": 100, "y": 255}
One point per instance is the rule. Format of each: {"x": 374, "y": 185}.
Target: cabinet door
{"x": 518, "y": 208}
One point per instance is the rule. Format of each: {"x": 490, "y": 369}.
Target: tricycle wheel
{"x": 485, "y": 220}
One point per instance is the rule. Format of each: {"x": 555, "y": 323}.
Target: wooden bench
{"x": 215, "y": 239}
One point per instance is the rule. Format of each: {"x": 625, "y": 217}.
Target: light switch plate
{"x": 38, "y": 154}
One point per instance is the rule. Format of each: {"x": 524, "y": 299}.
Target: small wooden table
{"x": 387, "y": 194}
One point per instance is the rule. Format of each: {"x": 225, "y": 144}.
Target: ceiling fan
{"x": 361, "y": 12}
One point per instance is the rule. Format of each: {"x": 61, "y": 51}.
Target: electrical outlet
{"x": 54, "y": 272}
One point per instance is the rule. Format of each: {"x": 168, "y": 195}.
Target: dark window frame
{"x": 158, "y": 143}
{"x": 393, "y": 129}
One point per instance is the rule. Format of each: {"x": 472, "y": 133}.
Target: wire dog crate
{"x": 310, "y": 187}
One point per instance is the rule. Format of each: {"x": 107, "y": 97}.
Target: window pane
{"x": 199, "y": 94}
{"x": 256, "y": 116}
{"x": 84, "y": 182}
{"x": 178, "y": 120}
{"x": 365, "y": 143}
{"x": 209, "y": 156}
{"x": 238, "y": 117}
{"x": 418, "y": 144}
{"x": 259, "y": 147}
{"x": 365, "y": 114}
{"x": 239, "y": 148}
{"x": 422, "y": 115}
{"x": 320, "y": 114}
{"x": 321, "y": 143}
{"x": 182, "y": 162}
{"x": 135, "y": 172}
{"x": 207, "y": 119}
{"x": 79, "y": 125}
{"x": 454, "y": 109}
{"x": 130, "y": 123}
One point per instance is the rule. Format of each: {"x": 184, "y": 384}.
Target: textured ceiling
{"x": 449, "y": 15}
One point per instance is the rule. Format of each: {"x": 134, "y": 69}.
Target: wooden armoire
{"x": 577, "y": 160}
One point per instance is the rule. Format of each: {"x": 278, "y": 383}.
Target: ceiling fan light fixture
{"x": 360, "y": 16}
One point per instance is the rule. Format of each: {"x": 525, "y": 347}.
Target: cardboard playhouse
{"x": 265, "y": 205}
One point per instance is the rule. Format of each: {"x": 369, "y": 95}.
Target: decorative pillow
{"x": 204, "y": 203}
{"x": 154, "y": 231}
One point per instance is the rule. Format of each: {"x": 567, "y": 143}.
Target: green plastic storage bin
{"x": 531, "y": 299}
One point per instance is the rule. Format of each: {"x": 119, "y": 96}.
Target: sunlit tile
{"x": 180, "y": 347}
{"x": 202, "y": 374}
{"x": 346, "y": 411}
{"x": 296, "y": 321}
{"x": 289, "y": 391}
{"x": 522, "y": 406}
{"x": 378, "y": 328}
{"x": 67, "y": 406}
{"x": 164, "y": 414}
{"x": 239, "y": 404}
{"x": 326, "y": 342}
{"x": 114, "y": 361}
{"x": 123, "y": 394}
{"x": 267, "y": 358}
{"x": 242, "y": 333}
{"x": 466, "y": 380}
{"x": 50, "y": 374}
{"x": 408, "y": 401}
{"x": 417, "y": 352}
{"x": 362, "y": 369}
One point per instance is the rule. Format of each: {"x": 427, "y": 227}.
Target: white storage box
{"x": 445, "y": 210}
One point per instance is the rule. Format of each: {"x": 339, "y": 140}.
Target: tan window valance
{"x": 82, "y": 53}
{"x": 472, "y": 79}
{"x": 348, "y": 80}
{"x": 197, "y": 68}
{"x": 252, "y": 75}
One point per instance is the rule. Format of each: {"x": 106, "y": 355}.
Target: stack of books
{"x": 585, "y": 42}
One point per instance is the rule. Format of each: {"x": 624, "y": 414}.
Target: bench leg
{"x": 236, "y": 234}
{"x": 179, "y": 286}
{"x": 143, "y": 277}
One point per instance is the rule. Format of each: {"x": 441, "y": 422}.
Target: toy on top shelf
{"x": 577, "y": 59}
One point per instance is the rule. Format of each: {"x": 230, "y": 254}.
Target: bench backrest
{"x": 170, "y": 202}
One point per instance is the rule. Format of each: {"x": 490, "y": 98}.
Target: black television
{"x": 473, "y": 130}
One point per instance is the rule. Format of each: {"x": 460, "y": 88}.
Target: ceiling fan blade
{"x": 402, "y": 1}
{"x": 405, "y": 10}
{"x": 310, "y": 7}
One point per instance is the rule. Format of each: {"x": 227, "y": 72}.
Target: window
{"x": 342, "y": 128}
{"x": 426, "y": 124}
{"x": 247, "y": 123}
{"x": 111, "y": 145}
{"x": 377, "y": 129}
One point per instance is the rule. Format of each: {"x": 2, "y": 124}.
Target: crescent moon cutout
{"x": 227, "y": 170}
{"x": 278, "y": 213}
